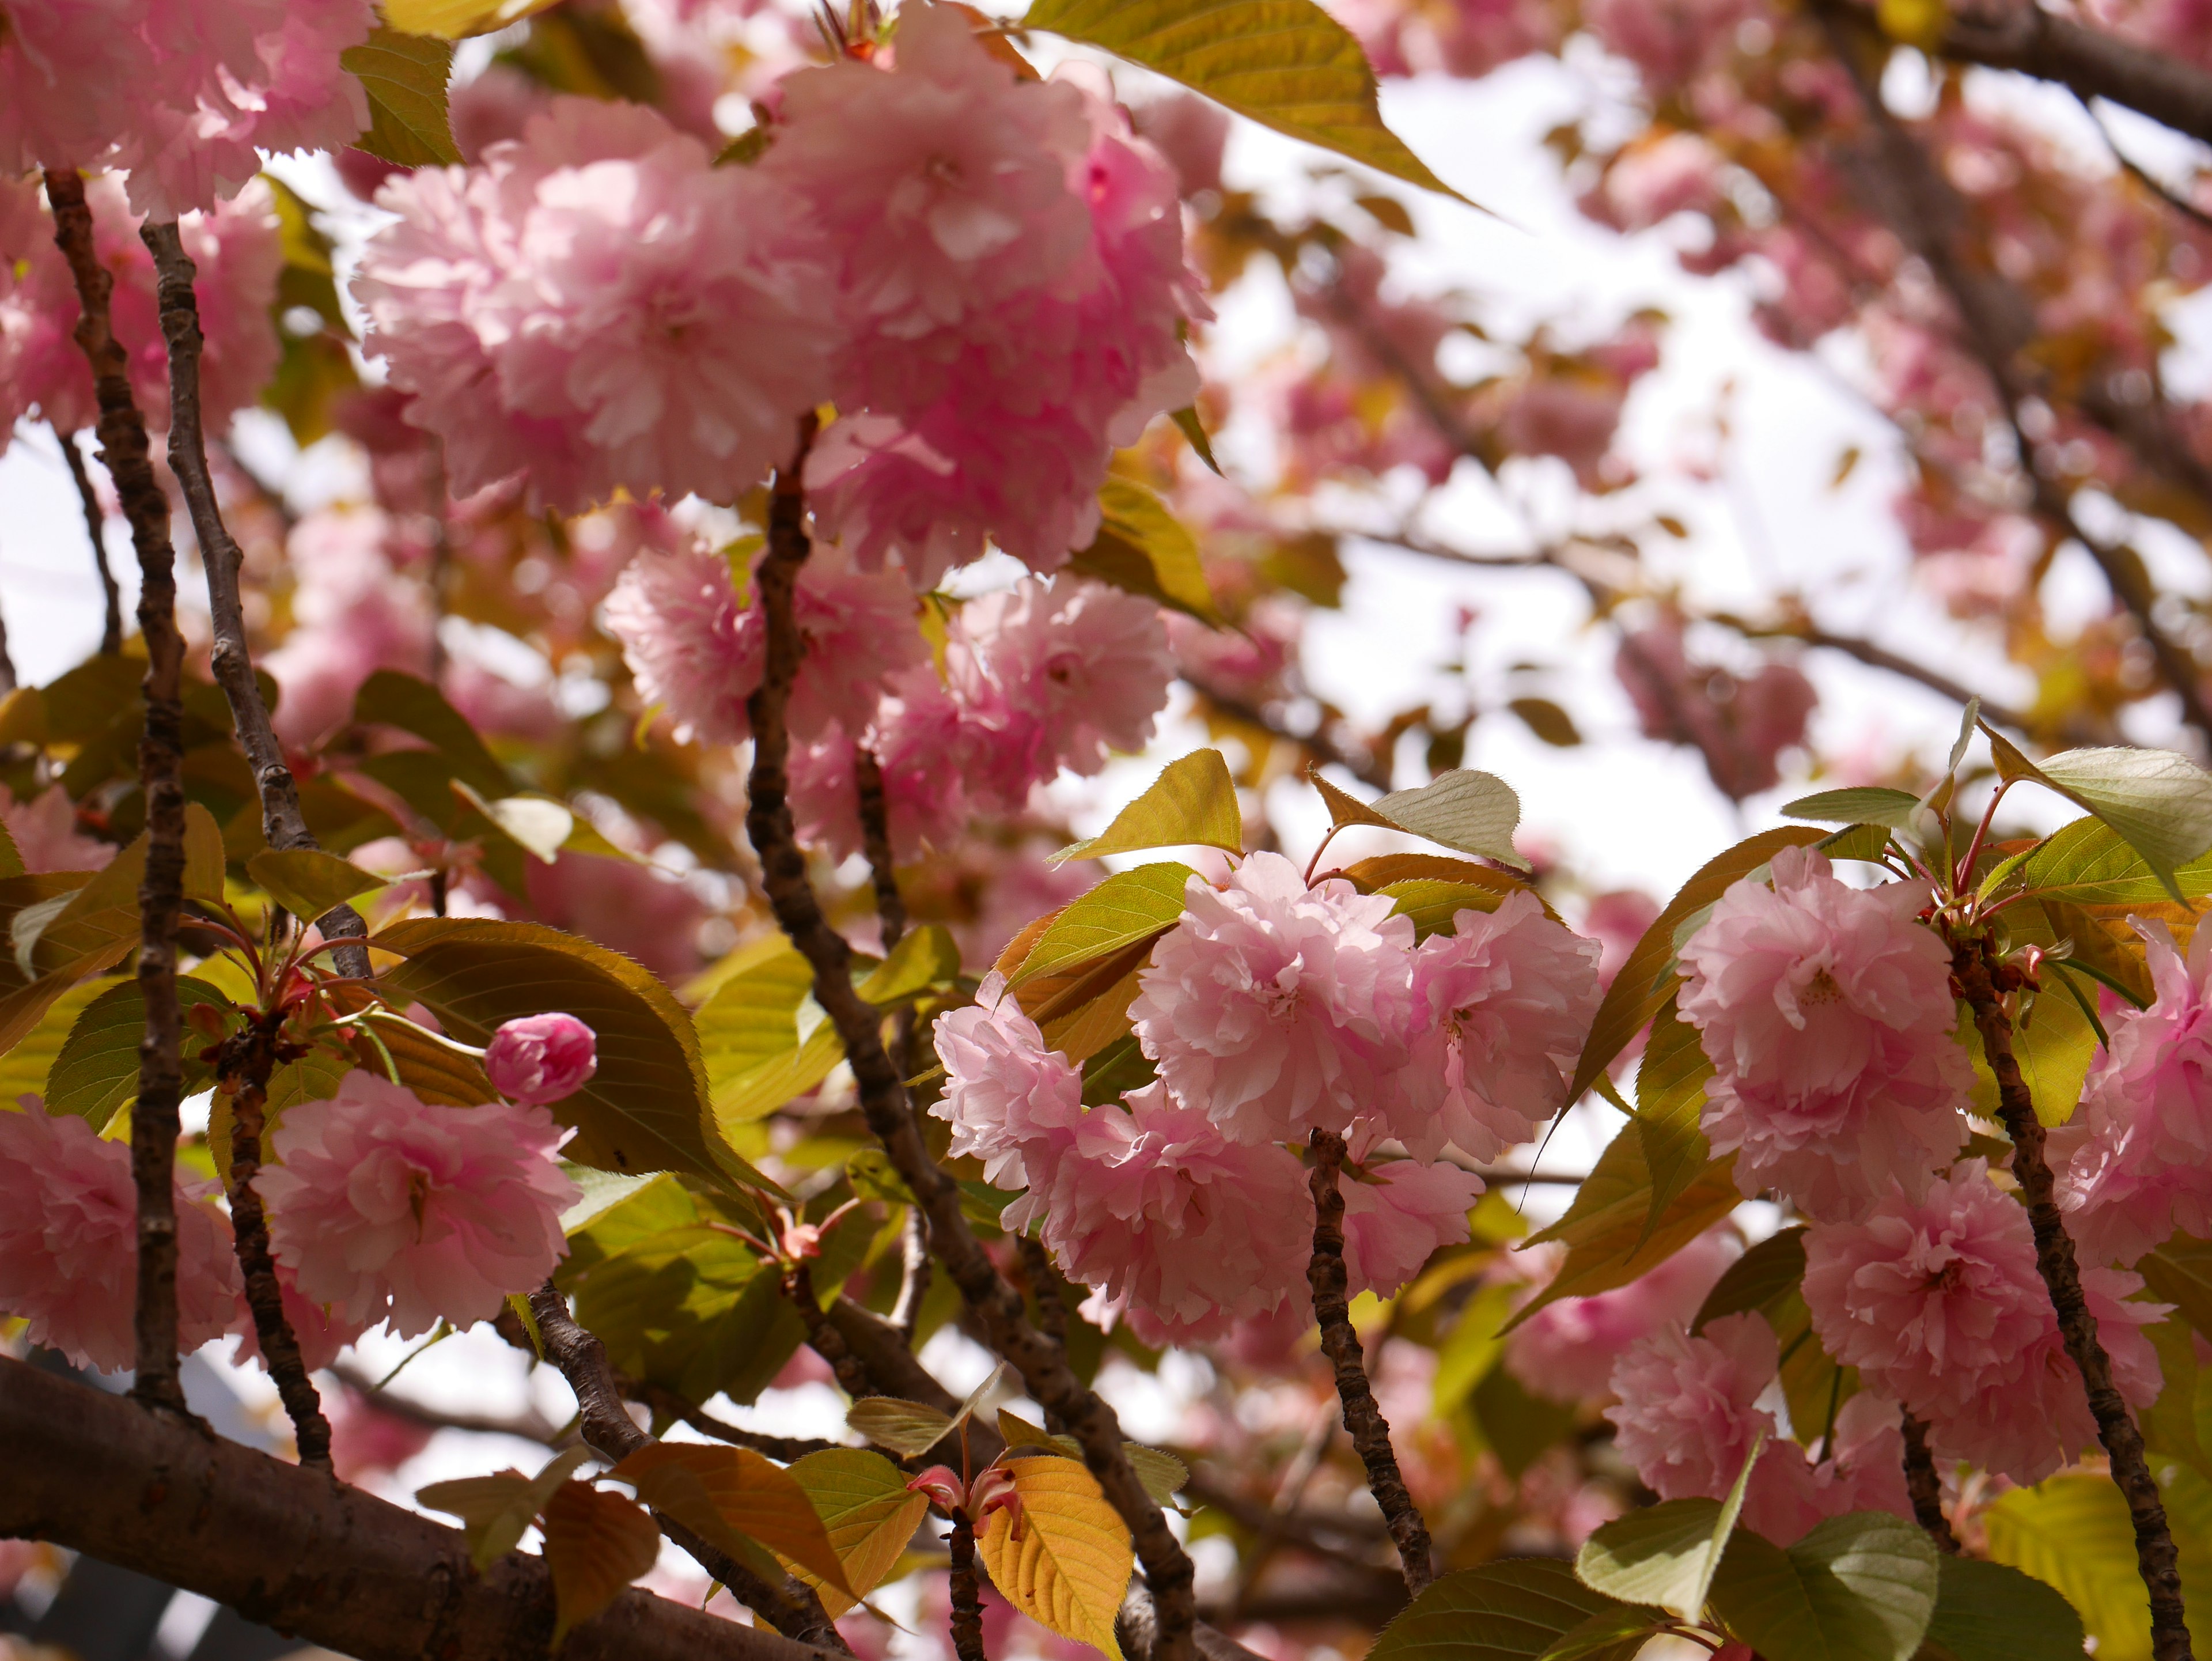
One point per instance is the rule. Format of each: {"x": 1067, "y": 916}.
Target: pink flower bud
{"x": 943, "y": 1485}
{"x": 541, "y": 1059}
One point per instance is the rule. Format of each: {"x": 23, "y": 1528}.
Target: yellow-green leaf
{"x": 96, "y": 1071}
{"x": 1513, "y": 1609}
{"x": 1670, "y": 1097}
{"x": 404, "y": 76}
{"x": 716, "y": 1489}
{"x": 596, "y": 1543}
{"x": 452, "y": 19}
{"x": 904, "y": 1427}
{"x": 2072, "y": 1533}
{"x": 1143, "y": 549}
{"x": 870, "y": 1515}
{"x": 1192, "y": 803}
{"x": 1474, "y": 812}
{"x": 1127, "y": 907}
{"x": 1285, "y": 64}
{"x": 308, "y": 882}
{"x": 26, "y": 1070}
{"x": 1069, "y": 1570}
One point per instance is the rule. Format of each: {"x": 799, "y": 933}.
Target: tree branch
{"x": 793, "y": 1609}
{"x": 2156, "y": 1559}
{"x": 670, "y": 1404}
{"x": 1925, "y": 1486}
{"x": 1041, "y": 1363}
{"x": 291, "y": 1549}
{"x": 822, "y": 1333}
{"x": 122, "y": 450}
{"x": 1371, "y": 1430}
{"x": 967, "y": 1593}
{"x": 283, "y": 825}
{"x": 96, "y": 524}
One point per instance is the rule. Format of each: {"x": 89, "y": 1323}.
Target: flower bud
{"x": 541, "y": 1059}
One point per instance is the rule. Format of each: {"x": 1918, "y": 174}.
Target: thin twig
{"x": 95, "y": 525}
{"x": 914, "y": 1273}
{"x": 1925, "y": 1486}
{"x": 998, "y": 1307}
{"x": 248, "y": 1058}
{"x": 2157, "y": 1558}
{"x": 793, "y": 1609}
{"x": 283, "y": 823}
{"x": 1371, "y": 1430}
{"x": 967, "y": 1593}
{"x": 670, "y": 1404}
{"x": 528, "y": 1426}
{"x": 154, "y": 1129}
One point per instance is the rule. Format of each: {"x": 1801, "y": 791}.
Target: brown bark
{"x": 793, "y": 1609}
{"x": 1041, "y": 1363}
{"x": 914, "y": 1273}
{"x": 122, "y": 450}
{"x": 1926, "y": 1487}
{"x": 95, "y": 525}
{"x": 1363, "y": 1417}
{"x": 967, "y": 1592}
{"x": 822, "y": 1333}
{"x": 876, "y": 840}
{"x": 283, "y": 825}
{"x": 291, "y": 1549}
{"x": 249, "y": 1058}
{"x": 2155, "y": 1556}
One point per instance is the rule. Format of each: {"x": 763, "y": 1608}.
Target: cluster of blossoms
{"x": 183, "y": 95}
{"x": 1740, "y": 724}
{"x": 381, "y": 1206}
{"x": 984, "y": 274}
{"x": 1271, "y": 1010}
{"x": 1043, "y": 675}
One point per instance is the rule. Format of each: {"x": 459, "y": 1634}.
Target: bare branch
{"x": 1925, "y": 1486}
{"x": 95, "y": 525}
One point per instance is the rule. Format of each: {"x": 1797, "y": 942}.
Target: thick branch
{"x": 822, "y": 1333}
{"x": 122, "y": 450}
{"x": 1926, "y": 1487}
{"x": 95, "y": 525}
{"x": 283, "y": 825}
{"x": 914, "y": 1273}
{"x": 322, "y": 1562}
{"x": 1371, "y": 1430}
{"x": 967, "y": 1593}
{"x": 1040, "y": 1362}
{"x": 2155, "y": 1556}
{"x": 793, "y": 1609}
{"x": 250, "y": 1058}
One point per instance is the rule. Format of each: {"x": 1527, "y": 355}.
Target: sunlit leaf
{"x": 1860, "y": 1587}
{"x": 1192, "y": 803}
{"x": 404, "y": 75}
{"x": 1862, "y": 805}
{"x": 904, "y": 1427}
{"x": 2072, "y": 1533}
{"x": 596, "y": 1543}
{"x": 1667, "y": 1553}
{"x": 496, "y": 1511}
{"x": 713, "y": 1489}
{"x": 1066, "y": 1564}
{"x": 453, "y": 19}
{"x": 96, "y": 1073}
{"x": 308, "y": 882}
{"x": 1143, "y": 549}
{"x": 2160, "y": 803}
{"x": 1127, "y": 907}
{"x": 865, "y": 1507}
{"x": 1670, "y": 1100}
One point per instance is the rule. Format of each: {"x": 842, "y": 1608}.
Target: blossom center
{"x": 1821, "y": 989}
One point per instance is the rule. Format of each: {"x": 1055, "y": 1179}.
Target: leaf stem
{"x": 154, "y": 1129}
{"x": 1363, "y": 1417}
{"x": 2156, "y": 1559}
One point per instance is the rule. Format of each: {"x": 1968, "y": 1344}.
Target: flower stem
{"x": 124, "y": 451}
{"x": 1363, "y": 1417}
{"x": 2157, "y": 1558}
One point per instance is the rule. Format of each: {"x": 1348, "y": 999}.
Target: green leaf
{"x": 1186, "y": 419}
{"x": 26, "y": 1070}
{"x": 865, "y": 1505}
{"x": 1991, "y": 1612}
{"x": 404, "y": 77}
{"x": 1474, "y": 812}
{"x": 1127, "y": 907}
{"x": 389, "y": 698}
{"x": 1861, "y": 1587}
{"x": 1285, "y": 64}
{"x": 96, "y": 1073}
{"x": 645, "y": 1109}
{"x": 1770, "y": 1270}
{"x": 2160, "y": 802}
{"x": 538, "y": 824}
{"x": 2089, "y": 863}
{"x": 1619, "y": 1632}
{"x": 308, "y": 882}
{"x": 2181, "y": 1273}
{"x": 1667, "y": 1554}
{"x": 1192, "y": 803}
{"x": 909, "y": 1428}
{"x": 1143, "y": 549}
{"x": 1646, "y": 980}
{"x": 925, "y": 959}
{"x": 1864, "y": 804}
{"x": 1514, "y": 1609}
{"x": 2074, "y": 1534}
{"x": 2054, "y": 1041}
{"x": 1670, "y": 1100}
{"x": 1472, "y": 1348}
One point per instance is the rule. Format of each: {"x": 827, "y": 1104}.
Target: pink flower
{"x": 1565, "y": 1351}
{"x": 1740, "y": 724}
{"x": 1508, "y": 997}
{"x": 383, "y": 1204}
{"x": 1089, "y": 663}
{"x": 1670, "y": 40}
{"x": 1191, "y": 132}
{"x": 367, "y": 1439}
{"x": 1185, "y": 1231}
{"x": 541, "y": 1059}
{"x": 2139, "y": 1153}
{"x": 925, "y": 745}
{"x": 1828, "y": 1012}
{"x": 693, "y": 647}
{"x": 1011, "y": 1102}
{"x": 633, "y": 907}
{"x": 353, "y": 614}
{"x": 68, "y": 1243}
{"x": 1617, "y": 921}
{"x": 1937, "y": 1302}
{"x": 1280, "y": 1008}
{"x": 1400, "y": 1217}
{"x": 600, "y": 306}
{"x": 43, "y": 830}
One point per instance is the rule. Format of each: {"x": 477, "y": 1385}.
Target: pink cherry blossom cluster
{"x": 1739, "y": 723}
{"x": 1688, "y": 1415}
{"x": 1271, "y": 1009}
{"x": 183, "y": 95}
{"x": 985, "y": 275}
{"x": 237, "y": 251}
{"x": 1936, "y": 1301}
{"x": 1826, "y": 1011}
